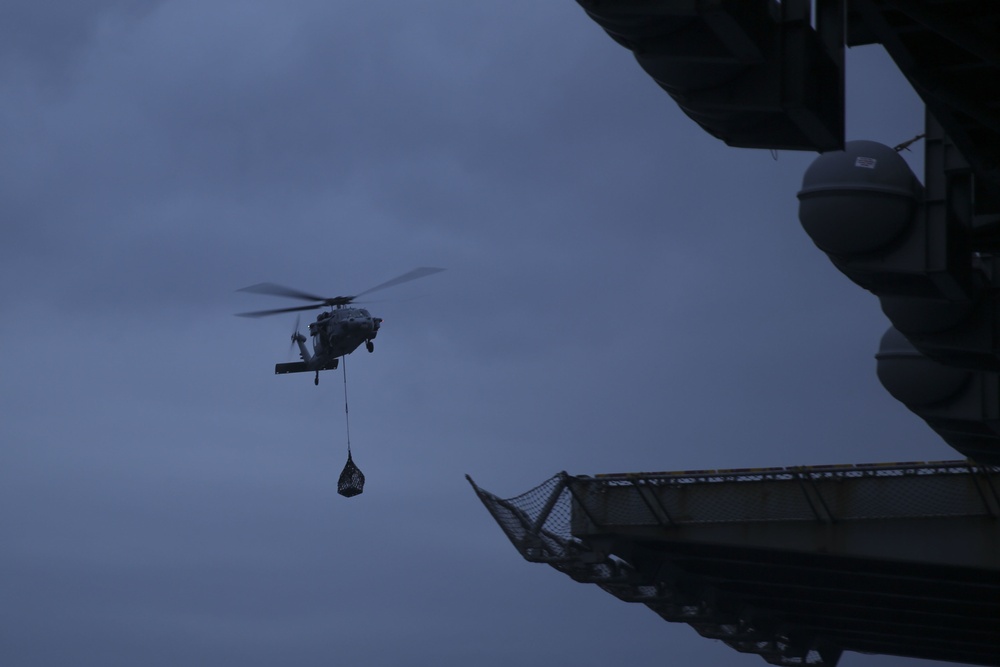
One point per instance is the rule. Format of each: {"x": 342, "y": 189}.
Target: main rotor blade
{"x": 405, "y": 278}
{"x": 278, "y": 311}
{"x": 281, "y": 290}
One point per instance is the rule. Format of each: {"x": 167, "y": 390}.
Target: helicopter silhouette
{"x": 336, "y": 332}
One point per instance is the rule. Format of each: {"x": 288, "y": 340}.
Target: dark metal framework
{"x": 796, "y": 565}
{"x": 949, "y": 51}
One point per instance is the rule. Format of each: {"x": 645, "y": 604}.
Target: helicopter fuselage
{"x": 340, "y": 331}
{"x": 335, "y": 333}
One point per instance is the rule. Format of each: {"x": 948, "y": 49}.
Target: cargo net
{"x": 352, "y": 480}
{"x": 537, "y": 522}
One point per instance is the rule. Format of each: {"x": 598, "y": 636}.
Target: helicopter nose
{"x": 361, "y": 323}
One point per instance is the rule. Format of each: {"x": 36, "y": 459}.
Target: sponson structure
{"x": 796, "y": 565}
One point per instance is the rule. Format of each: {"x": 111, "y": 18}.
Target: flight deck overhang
{"x": 770, "y": 73}
{"x": 753, "y": 74}
{"x": 796, "y": 565}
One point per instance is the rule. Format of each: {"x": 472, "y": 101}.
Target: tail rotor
{"x": 296, "y": 336}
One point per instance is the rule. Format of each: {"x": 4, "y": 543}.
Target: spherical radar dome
{"x": 858, "y": 200}
{"x": 912, "y": 378}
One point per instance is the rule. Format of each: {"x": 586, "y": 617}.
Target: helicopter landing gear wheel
{"x": 316, "y": 379}
{"x": 370, "y": 345}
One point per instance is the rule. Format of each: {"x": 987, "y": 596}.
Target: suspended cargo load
{"x": 352, "y": 480}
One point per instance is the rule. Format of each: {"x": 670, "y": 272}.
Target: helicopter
{"x": 336, "y": 332}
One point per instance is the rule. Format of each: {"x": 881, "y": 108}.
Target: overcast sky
{"x": 623, "y": 292}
